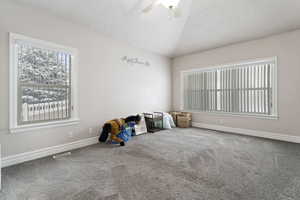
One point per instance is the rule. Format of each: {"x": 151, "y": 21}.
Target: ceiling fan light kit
{"x": 170, "y": 4}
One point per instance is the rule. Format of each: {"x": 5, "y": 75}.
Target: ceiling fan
{"x": 171, "y": 5}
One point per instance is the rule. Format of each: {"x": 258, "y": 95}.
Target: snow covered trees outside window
{"x": 44, "y": 83}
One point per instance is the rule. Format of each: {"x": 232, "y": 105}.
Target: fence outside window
{"x": 44, "y": 84}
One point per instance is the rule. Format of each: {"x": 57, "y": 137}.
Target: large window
{"x": 248, "y": 88}
{"x": 41, "y": 82}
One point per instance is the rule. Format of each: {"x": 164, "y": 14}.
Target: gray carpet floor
{"x": 189, "y": 164}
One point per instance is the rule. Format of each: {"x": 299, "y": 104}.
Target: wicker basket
{"x": 182, "y": 119}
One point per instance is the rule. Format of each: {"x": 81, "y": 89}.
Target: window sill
{"x": 257, "y": 116}
{"x": 33, "y": 127}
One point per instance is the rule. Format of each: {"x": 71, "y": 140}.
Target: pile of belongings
{"x": 126, "y": 132}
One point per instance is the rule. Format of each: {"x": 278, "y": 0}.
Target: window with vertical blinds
{"x": 242, "y": 88}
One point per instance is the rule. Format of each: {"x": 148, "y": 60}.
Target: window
{"x": 42, "y": 82}
{"x": 244, "y": 88}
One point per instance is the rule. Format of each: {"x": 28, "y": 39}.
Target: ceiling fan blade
{"x": 150, "y": 7}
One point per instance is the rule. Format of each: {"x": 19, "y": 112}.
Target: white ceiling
{"x": 204, "y": 24}
{"x": 215, "y": 23}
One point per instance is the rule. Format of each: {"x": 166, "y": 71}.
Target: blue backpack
{"x": 126, "y": 132}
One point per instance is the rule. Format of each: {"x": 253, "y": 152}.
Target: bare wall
{"x": 108, "y": 88}
{"x": 287, "y": 47}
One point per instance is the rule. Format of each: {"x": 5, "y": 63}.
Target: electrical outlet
{"x": 71, "y": 134}
{"x": 90, "y": 131}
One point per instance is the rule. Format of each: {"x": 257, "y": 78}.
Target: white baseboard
{"x": 262, "y": 134}
{"x": 32, "y": 155}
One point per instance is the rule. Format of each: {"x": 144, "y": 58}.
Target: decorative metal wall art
{"x": 135, "y": 61}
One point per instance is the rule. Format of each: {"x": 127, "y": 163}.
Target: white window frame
{"x": 275, "y": 114}
{"x": 13, "y": 85}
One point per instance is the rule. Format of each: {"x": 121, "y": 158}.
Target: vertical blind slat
{"x": 234, "y": 89}
{"x": 268, "y": 86}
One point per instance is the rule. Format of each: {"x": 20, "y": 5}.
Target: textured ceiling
{"x": 204, "y": 24}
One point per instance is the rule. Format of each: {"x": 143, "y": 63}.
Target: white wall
{"x": 286, "y": 47}
{"x": 108, "y": 88}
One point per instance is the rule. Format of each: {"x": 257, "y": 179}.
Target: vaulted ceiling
{"x": 204, "y": 24}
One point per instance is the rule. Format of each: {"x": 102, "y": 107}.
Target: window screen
{"x": 248, "y": 88}
{"x": 44, "y": 84}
